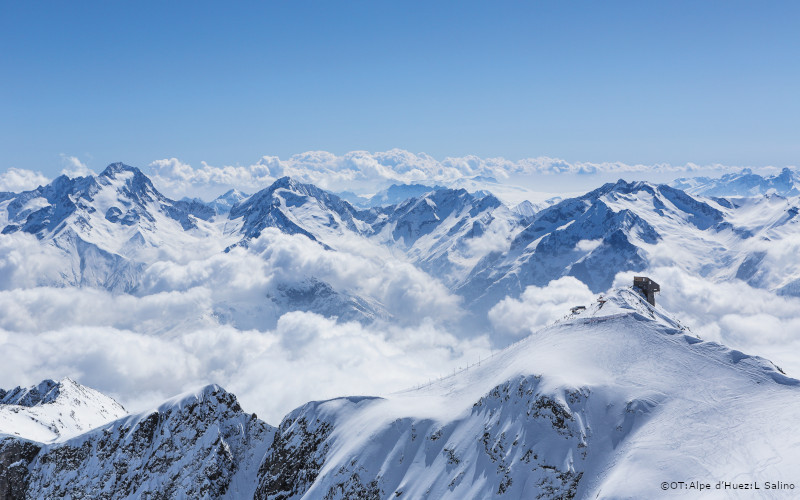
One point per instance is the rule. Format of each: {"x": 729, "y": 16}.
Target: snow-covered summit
{"x": 608, "y": 403}
{"x": 55, "y": 411}
{"x": 223, "y": 203}
{"x": 295, "y": 208}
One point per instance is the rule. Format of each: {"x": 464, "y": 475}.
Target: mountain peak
{"x": 131, "y": 180}
{"x": 44, "y": 392}
{"x": 284, "y": 182}
{"x": 628, "y": 301}
{"x": 50, "y": 410}
{"x": 115, "y": 168}
{"x": 202, "y": 393}
{"x": 232, "y": 193}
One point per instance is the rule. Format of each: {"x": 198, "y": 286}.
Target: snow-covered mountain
{"x": 54, "y": 411}
{"x": 223, "y": 203}
{"x": 196, "y": 445}
{"x": 296, "y": 208}
{"x": 607, "y": 403}
{"x": 107, "y": 231}
{"x": 592, "y": 238}
{"x": 103, "y": 229}
{"x": 742, "y": 184}
{"x": 446, "y": 231}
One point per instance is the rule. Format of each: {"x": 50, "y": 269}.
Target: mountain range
{"x": 106, "y": 231}
{"x": 744, "y": 183}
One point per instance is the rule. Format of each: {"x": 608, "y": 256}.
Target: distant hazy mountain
{"x": 744, "y": 183}
{"x": 225, "y": 202}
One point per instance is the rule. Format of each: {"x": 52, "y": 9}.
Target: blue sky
{"x": 225, "y": 83}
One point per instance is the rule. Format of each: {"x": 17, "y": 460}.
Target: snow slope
{"x": 605, "y": 404}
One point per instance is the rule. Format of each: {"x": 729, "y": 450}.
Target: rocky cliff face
{"x": 199, "y": 445}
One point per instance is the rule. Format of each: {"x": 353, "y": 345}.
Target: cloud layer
{"x": 538, "y": 306}
{"x": 364, "y": 172}
{"x": 272, "y": 371}
{"x": 211, "y": 319}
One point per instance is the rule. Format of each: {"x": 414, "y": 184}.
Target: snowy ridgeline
{"x": 609, "y": 403}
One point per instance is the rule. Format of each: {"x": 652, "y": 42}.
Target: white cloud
{"x": 538, "y": 306}
{"x": 210, "y": 319}
{"x": 16, "y": 180}
{"x": 588, "y": 245}
{"x": 179, "y": 179}
{"x": 24, "y": 260}
{"x": 305, "y": 357}
{"x": 241, "y": 279}
{"x": 75, "y": 168}
{"x": 173, "y": 335}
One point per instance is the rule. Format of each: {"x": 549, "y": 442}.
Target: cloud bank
{"x": 538, "y": 306}
{"x": 272, "y": 371}
{"x": 210, "y": 319}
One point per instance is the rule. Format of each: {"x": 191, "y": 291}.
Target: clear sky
{"x": 228, "y": 82}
